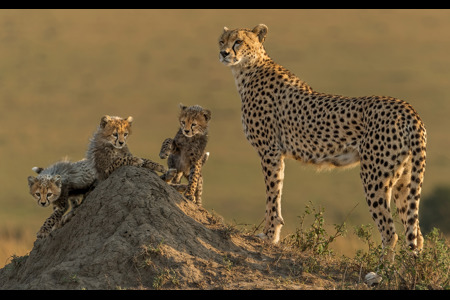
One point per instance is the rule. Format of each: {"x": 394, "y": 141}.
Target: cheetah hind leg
{"x": 199, "y": 191}
{"x": 75, "y": 201}
{"x": 407, "y": 203}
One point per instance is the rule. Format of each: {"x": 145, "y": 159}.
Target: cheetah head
{"x": 45, "y": 188}
{"x": 242, "y": 46}
{"x": 194, "y": 120}
{"x": 115, "y": 130}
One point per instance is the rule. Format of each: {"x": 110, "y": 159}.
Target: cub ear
{"x": 225, "y": 29}
{"x": 105, "y": 119}
{"x": 182, "y": 107}
{"x": 57, "y": 180}
{"x": 31, "y": 181}
{"x": 130, "y": 119}
{"x": 207, "y": 114}
{"x": 261, "y": 31}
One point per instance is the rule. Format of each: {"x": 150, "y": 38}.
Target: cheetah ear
{"x": 261, "y": 31}
{"x": 31, "y": 181}
{"x": 105, "y": 119}
{"x": 182, "y": 107}
{"x": 207, "y": 114}
{"x": 225, "y": 29}
{"x": 130, "y": 119}
{"x": 57, "y": 179}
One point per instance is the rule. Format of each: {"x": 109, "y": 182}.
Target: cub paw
{"x": 138, "y": 161}
{"x": 169, "y": 175}
{"x": 42, "y": 233}
{"x": 189, "y": 196}
{"x": 163, "y": 155}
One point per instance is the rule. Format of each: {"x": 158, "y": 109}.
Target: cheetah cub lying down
{"x": 186, "y": 152}
{"x": 108, "y": 149}
{"x": 58, "y": 185}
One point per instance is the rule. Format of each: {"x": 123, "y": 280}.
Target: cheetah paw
{"x": 170, "y": 175}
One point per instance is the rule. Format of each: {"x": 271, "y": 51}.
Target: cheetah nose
{"x": 120, "y": 143}
{"x": 186, "y": 131}
{"x": 224, "y": 53}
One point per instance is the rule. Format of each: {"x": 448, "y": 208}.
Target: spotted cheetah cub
{"x": 186, "y": 151}
{"x": 58, "y": 185}
{"x": 108, "y": 149}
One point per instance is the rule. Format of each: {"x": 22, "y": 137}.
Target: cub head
{"x": 194, "y": 120}
{"x": 242, "y": 46}
{"x": 45, "y": 188}
{"x": 115, "y": 130}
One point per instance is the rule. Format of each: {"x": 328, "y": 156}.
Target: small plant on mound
{"x": 315, "y": 238}
{"x": 428, "y": 269}
{"x": 313, "y": 243}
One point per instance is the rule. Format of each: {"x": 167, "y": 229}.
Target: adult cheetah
{"x": 283, "y": 117}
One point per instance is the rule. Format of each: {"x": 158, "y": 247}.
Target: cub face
{"x": 194, "y": 120}
{"x": 45, "y": 189}
{"x": 241, "y": 46}
{"x": 115, "y": 130}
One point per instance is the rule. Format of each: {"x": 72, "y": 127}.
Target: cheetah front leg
{"x": 127, "y": 160}
{"x": 55, "y": 219}
{"x": 149, "y": 164}
{"x": 166, "y": 148}
{"x": 273, "y": 169}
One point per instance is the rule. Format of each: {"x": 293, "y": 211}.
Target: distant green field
{"x": 62, "y": 70}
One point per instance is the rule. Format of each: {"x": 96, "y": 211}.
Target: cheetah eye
{"x": 125, "y": 134}
{"x": 182, "y": 123}
{"x": 49, "y": 195}
{"x": 115, "y": 134}
{"x": 38, "y": 195}
{"x": 237, "y": 43}
{"x": 193, "y": 125}
{"x": 221, "y": 43}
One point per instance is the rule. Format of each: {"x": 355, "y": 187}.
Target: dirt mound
{"x": 134, "y": 231}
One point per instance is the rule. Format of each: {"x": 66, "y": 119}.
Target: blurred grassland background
{"x": 62, "y": 70}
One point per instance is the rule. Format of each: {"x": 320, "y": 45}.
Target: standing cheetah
{"x": 283, "y": 117}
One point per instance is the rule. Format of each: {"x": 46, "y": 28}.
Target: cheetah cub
{"x": 186, "y": 151}
{"x": 58, "y": 185}
{"x": 108, "y": 149}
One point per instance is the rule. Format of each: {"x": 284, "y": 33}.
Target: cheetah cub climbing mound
{"x": 108, "y": 149}
{"x": 186, "y": 152}
{"x": 283, "y": 117}
{"x": 58, "y": 185}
